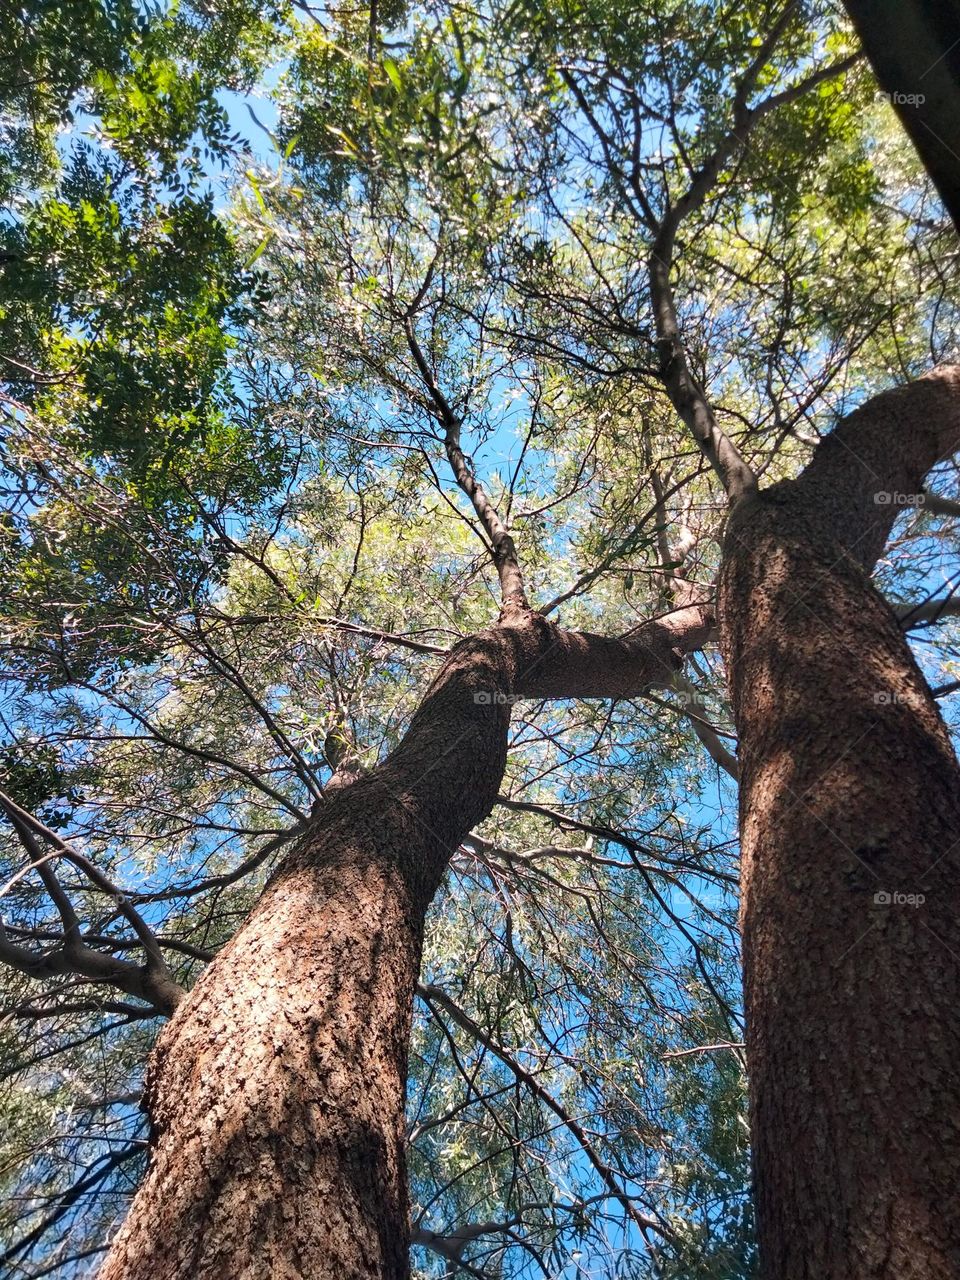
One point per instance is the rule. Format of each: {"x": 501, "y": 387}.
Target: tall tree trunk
{"x": 276, "y": 1093}
{"x": 274, "y": 1100}
{"x": 850, "y": 824}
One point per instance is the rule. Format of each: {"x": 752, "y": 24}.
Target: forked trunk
{"x": 276, "y": 1093}
{"x": 850, "y": 826}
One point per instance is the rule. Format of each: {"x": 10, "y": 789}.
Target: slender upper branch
{"x": 688, "y": 396}
{"x": 501, "y": 545}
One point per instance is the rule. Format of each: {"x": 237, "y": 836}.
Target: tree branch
{"x": 152, "y": 982}
{"x": 688, "y": 397}
{"x": 436, "y": 996}
{"x": 502, "y": 547}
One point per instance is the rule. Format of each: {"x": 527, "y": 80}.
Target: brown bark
{"x": 276, "y": 1093}
{"x": 849, "y": 790}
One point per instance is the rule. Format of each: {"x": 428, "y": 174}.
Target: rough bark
{"x": 276, "y": 1093}
{"x": 850, "y": 795}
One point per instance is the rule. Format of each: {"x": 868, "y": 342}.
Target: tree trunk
{"x": 276, "y": 1094}
{"x": 850, "y": 822}
{"x": 274, "y": 1101}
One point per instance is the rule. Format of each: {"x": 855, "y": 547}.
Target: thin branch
{"x": 501, "y": 545}
{"x": 434, "y": 996}
{"x": 705, "y": 1048}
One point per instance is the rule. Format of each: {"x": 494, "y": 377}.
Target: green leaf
{"x": 393, "y": 74}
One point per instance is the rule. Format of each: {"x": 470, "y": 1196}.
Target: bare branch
{"x": 152, "y": 982}
{"x": 502, "y": 548}
{"x": 434, "y": 996}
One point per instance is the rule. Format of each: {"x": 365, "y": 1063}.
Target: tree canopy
{"x": 278, "y": 284}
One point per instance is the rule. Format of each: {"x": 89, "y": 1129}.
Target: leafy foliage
{"x": 232, "y": 537}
